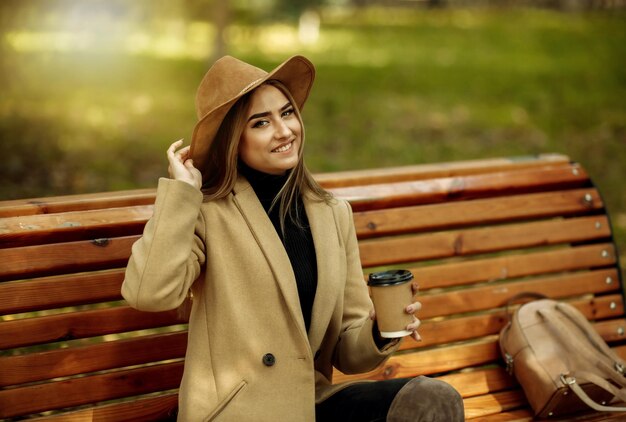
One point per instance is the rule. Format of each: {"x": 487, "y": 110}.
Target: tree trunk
{"x": 221, "y": 15}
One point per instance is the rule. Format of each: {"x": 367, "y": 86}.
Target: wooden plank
{"x": 479, "y": 211}
{"x": 592, "y": 416}
{"x": 428, "y": 362}
{"x": 526, "y": 414}
{"x": 32, "y": 261}
{"x": 449, "y": 189}
{"x": 520, "y": 415}
{"x": 68, "y": 203}
{"x": 71, "y": 226}
{"x": 438, "y": 360}
{"x": 160, "y": 408}
{"x": 91, "y": 389}
{"x": 429, "y": 171}
{"x": 512, "y": 266}
{"x": 480, "y": 381}
{"x": 468, "y": 328}
{"x": 441, "y": 331}
{"x": 497, "y": 294}
{"x": 81, "y": 324}
{"x": 385, "y": 251}
{"x": 490, "y": 404}
{"x": 612, "y": 330}
{"x": 61, "y": 291}
{"x": 65, "y": 362}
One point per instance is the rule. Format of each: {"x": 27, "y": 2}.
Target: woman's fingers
{"x": 183, "y": 154}
{"x": 412, "y": 327}
{"x": 413, "y": 307}
{"x": 172, "y": 147}
{"x": 415, "y": 287}
{"x": 181, "y": 166}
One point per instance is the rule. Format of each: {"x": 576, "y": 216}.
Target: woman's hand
{"x": 411, "y": 309}
{"x": 181, "y": 166}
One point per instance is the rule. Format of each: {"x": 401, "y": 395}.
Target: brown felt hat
{"x": 228, "y": 80}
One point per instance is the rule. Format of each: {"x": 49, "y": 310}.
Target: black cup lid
{"x": 387, "y": 278}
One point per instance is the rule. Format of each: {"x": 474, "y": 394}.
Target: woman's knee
{"x": 426, "y": 399}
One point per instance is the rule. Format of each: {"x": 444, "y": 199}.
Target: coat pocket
{"x": 220, "y": 407}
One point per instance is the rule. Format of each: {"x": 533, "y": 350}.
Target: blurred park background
{"x": 93, "y": 91}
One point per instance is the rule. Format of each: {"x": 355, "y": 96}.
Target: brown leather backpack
{"x": 560, "y": 361}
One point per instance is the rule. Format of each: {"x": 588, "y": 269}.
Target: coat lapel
{"x": 328, "y": 253}
{"x": 327, "y": 250}
{"x": 271, "y": 246}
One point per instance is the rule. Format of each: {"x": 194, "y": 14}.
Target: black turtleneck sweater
{"x": 297, "y": 239}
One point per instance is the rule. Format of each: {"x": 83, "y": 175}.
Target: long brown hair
{"x": 223, "y": 156}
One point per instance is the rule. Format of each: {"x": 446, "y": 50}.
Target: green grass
{"x": 393, "y": 87}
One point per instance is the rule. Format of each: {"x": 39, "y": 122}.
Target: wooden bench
{"x": 474, "y": 233}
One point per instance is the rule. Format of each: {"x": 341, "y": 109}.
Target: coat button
{"x": 269, "y": 359}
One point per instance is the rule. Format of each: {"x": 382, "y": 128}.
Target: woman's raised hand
{"x": 181, "y": 166}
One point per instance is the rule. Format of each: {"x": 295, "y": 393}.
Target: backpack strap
{"x": 591, "y": 334}
{"x": 572, "y": 382}
{"x": 605, "y": 364}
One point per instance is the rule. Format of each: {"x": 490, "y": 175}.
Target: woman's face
{"x": 272, "y": 135}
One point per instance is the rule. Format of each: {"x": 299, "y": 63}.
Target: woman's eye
{"x": 260, "y": 123}
{"x": 288, "y": 112}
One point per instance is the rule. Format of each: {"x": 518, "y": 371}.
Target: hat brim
{"x": 296, "y": 73}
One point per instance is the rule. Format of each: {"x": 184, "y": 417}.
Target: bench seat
{"x": 474, "y": 234}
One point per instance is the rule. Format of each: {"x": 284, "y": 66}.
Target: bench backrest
{"x": 473, "y": 233}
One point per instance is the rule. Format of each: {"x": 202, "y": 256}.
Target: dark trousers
{"x": 362, "y": 402}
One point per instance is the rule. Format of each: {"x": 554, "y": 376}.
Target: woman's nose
{"x": 282, "y": 130}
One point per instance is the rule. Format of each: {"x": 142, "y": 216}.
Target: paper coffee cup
{"x": 391, "y": 293}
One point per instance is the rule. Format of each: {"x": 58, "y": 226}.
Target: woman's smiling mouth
{"x": 283, "y": 148}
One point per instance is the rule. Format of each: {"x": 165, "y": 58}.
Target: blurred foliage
{"x": 95, "y": 111}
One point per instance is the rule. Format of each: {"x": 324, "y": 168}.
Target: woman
{"x": 272, "y": 263}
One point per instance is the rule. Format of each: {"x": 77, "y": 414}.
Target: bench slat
{"x": 69, "y": 203}
{"x": 438, "y": 360}
{"x": 83, "y": 324}
{"x": 517, "y": 265}
{"x": 487, "y": 325}
{"x": 428, "y": 362}
{"x": 429, "y": 171}
{"x": 479, "y": 381}
{"x": 70, "y": 226}
{"x": 385, "y": 251}
{"x": 39, "y": 366}
{"x": 89, "y": 389}
{"x": 496, "y": 295}
{"x": 490, "y": 404}
{"x": 63, "y": 290}
{"x": 527, "y": 415}
{"x": 139, "y": 410}
{"x": 372, "y": 197}
{"x": 519, "y": 415}
{"x": 65, "y": 257}
{"x": 479, "y": 211}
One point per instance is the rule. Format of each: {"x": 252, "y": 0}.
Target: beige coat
{"x": 249, "y": 356}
